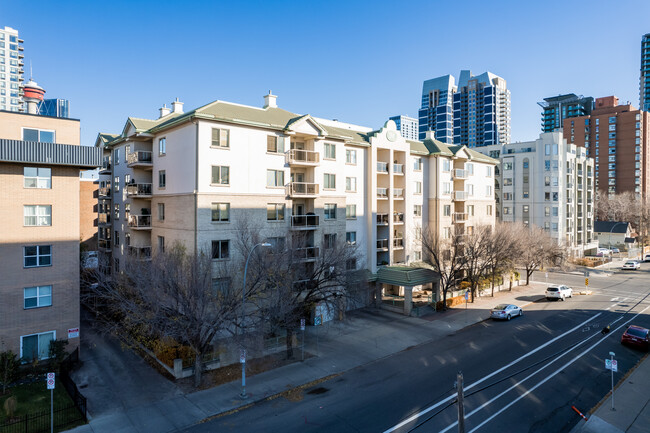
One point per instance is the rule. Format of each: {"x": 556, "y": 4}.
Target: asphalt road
{"x": 522, "y": 375}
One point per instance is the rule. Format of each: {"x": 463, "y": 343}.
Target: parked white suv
{"x": 559, "y": 292}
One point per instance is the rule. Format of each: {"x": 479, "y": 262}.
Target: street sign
{"x": 302, "y": 324}
{"x": 50, "y": 380}
{"x": 242, "y": 356}
{"x": 318, "y": 320}
{"x": 467, "y": 295}
{"x": 611, "y": 364}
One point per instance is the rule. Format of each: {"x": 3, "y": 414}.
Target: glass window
{"x": 351, "y": 184}
{"x": 418, "y": 187}
{"x": 329, "y": 181}
{"x": 330, "y": 211}
{"x": 351, "y": 238}
{"x": 417, "y": 210}
{"x": 161, "y": 211}
{"x": 275, "y": 211}
{"x": 38, "y": 135}
{"x": 220, "y": 137}
{"x": 507, "y": 166}
{"x": 417, "y": 164}
{"x": 329, "y": 240}
{"x": 488, "y": 210}
{"x": 221, "y": 212}
{"x": 350, "y": 156}
{"x": 275, "y": 178}
{"x": 39, "y": 296}
{"x": 351, "y": 211}
{"x": 221, "y": 175}
{"x": 162, "y": 178}
{"x": 220, "y": 250}
{"x": 37, "y": 177}
{"x": 37, "y": 255}
{"x": 445, "y": 165}
{"x": 36, "y": 346}
{"x": 446, "y": 210}
{"x": 162, "y": 146}
{"x": 330, "y": 151}
{"x": 37, "y": 215}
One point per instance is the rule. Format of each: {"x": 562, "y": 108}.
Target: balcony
{"x": 306, "y": 253}
{"x": 140, "y": 222}
{"x": 382, "y": 193}
{"x": 398, "y": 193}
{"x": 139, "y": 158}
{"x": 382, "y": 244}
{"x": 459, "y": 173}
{"x": 304, "y": 222}
{"x": 459, "y": 217}
{"x": 140, "y": 253}
{"x": 398, "y": 243}
{"x": 459, "y": 195}
{"x": 569, "y": 185}
{"x": 382, "y": 219}
{"x": 35, "y": 152}
{"x": 382, "y": 167}
{"x": 105, "y": 192}
{"x": 104, "y": 219}
{"x": 106, "y": 167}
{"x": 398, "y": 218}
{"x": 398, "y": 168}
{"x": 302, "y": 189}
{"x": 104, "y": 244}
{"x": 139, "y": 190}
{"x": 303, "y": 157}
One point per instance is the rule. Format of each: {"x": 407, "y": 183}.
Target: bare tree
{"x": 476, "y": 247}
{"x": 536, "y": 247}
{"x": 444, "y": 255}
{"x": 170, "y": 296}
{"x": 501, "y": 249}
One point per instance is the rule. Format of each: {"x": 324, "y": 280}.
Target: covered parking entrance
{"x": 400, "y": 282}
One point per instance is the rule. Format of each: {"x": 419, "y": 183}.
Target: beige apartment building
{"x": 40, "y": 161}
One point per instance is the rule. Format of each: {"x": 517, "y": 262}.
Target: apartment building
{"x": 644, "y": 79}
{"x": 407, "y": 126}
{"x": 473, "y": 113}
{"x": 193, "y": 177}
{"x": 11, "y": 70}
{"x": 548, "y": 183}
{"x": 40, "y": 161}
{"x": 557, "y": 108}
{"x": 616, "y": 136}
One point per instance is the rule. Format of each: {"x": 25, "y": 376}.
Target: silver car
{"x": 559, "y": 292}
{"x": 506, "y": 311}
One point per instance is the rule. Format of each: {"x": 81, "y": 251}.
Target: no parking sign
{"x": 50, "y": 380}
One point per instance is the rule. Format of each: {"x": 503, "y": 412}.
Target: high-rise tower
{"x": 11, "y": 63}
{"x": 557, "y": 108}
{"x": 644, "y": 84}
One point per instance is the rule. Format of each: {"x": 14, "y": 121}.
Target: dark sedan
{"x": 636, "y": 336}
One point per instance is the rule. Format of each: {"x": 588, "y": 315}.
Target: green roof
{"x": 406, "y": 275}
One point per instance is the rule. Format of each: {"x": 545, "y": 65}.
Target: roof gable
{"x": 305, "y": 125}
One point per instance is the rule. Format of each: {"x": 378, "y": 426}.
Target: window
{"x": 507, "y": 196}
{"x": 161, "y": 245}
{"x": 547, "y": 211}
{"x": 116, "y": 239}
{"x": 506, "y": 211}
{"x": 37, "y": 215}
{"x": 162, "y": 146}
{"x": 445, "y": 165}
{"x": 39, "y": 296}
{"x": 446, "y": 188}
{"x": 43, "y": 136}
{"x": 221, "y": 285}
{"x": 162, "y": 178}
{"x": 351, "y": 184}
{"x": 446, "y": 210}
{"x": 274, "y": 145}
{"x": 417, "y": 164}
{"x": 221, "y": 175}
{"x": 417, "y": 256}
{"x": 488, "y": 210}
{"x": 470, "y": 210}
{"x": 351, "y": 238}
{"x": 36, "y": 346}
{"x": 221, "y": 212}
{"x": 329, "y": 181}
{"x": 507, "y": 181}
{"x": 37, "y": 177}
{"x": 220, "y": 250}
{"x": 446, "y": 232}
{"x": 330, "y": 211}
{"x": 612, "y": 119}
{"x": 330, "y": 151}
{"x": 351, "y": 156}
{"x": 351, "y": 264}
{"x": 417, "y": 210}
{"x": 274, "y": 178}
{"x": 329, "y": 240}
{"x": 37, "y": 255}
{"x": 547, "y": 165}
{"x": 555, "y": 196}
{"x": 116, "y": 156}
{"x": 277, "y": 244}
{"x": 488, "y": 190}
{"x": 116, "y": 211}
{"x": 275, "y": 212}
{"x": 470, "y": 168}
{"x": 507, "y": 166}
{"x": 220, "y": 138}
{"x": 161, "y": 211}
{"x": 351, "y": 211}
{"x": 488, "y": 171}
{"x": 418, "y": 187}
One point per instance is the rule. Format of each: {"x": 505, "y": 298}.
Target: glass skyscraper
{"x": 55, "y": 108}
{"x": 644, "y": 84}
{"x": 557, "y": 108}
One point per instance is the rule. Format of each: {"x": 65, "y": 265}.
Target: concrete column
{"x": 178, "y": 368}
{"x": 408, "y": 300}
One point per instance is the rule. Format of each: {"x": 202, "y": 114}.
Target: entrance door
{"x": 297, "y": 177}
{"x": 298, "y": 145}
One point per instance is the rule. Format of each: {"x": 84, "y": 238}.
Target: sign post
{"x": 302, "y": 328}
{"x": 50, "y": 386}
{"x": 242, "y": 360}
{"x": 612, "y": 365}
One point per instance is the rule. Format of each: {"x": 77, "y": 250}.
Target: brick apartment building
{"x": 616, "y": 136}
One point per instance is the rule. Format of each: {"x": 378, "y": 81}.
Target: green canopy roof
{"x": 406, "y": 276}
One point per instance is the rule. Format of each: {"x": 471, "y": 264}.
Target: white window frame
{"x": 274, "y": 178}
{"x": 38, "y": 297}
{"x": 351, "y": 184}
{"x": 351, "y": 211}
{"x": 39, "y": 178}
{"x": 220, "y": 176}
{"x": 330, "y": 211}
{"x": 162, "y": 146}
{"x": 327, "y": 181}
{"x": 37, "y": 256}
{"x": 278, "y": 211}
{"x": 217, "y": 207}
{"x": 223, "y": 133}
{"x": 22, "y": 133}
{"x": 351, "y": 156}
{"x": 36, "y": 207}
{"x": 221, "y": 257}
{"x": 38, "y": 335}
{"x": 329, "y": 151}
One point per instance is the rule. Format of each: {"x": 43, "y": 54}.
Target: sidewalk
{"x": 365, "y": 336}
{"x": 632, "y": 404}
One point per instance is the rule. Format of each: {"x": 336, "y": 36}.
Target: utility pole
{"x": 461, "y": 408}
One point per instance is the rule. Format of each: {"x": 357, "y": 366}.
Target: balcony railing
{"x": 382, "y": 167}
{"x": 140, "y": 221}
{"x": 104, "y": 244}
{"x": 460, "y": 195}
{"x": 382, "y": 244}
{"x": 106, "y": 166}
{"x": 398, "y": 218}
{"x": 398, "y": 243}
{"x": 459, "y": 173}
{"x": 139, "y": 190}
{"x": 139, "y": 158}
{"x": 140, "y": 253}
{"x": 398, "y": 168}
{"x": 382, "y": 219}
{"x": 306, "y": 253}
{"x": 382, "y": 192}
{"x": 398, "y": 193}
{"x": 105, "y": 192}
{"x": 306, "y": 222}
{"x": 104, "y": 218}
{"x": 459, "y": 217}
{"x": 302, "y": 189}
{"x": 303, "y": 157}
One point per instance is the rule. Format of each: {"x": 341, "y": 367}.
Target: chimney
{"x": 177, "y": 106}
{"x": 430, "y": 135}
{"x": 270, "y": 100}
{"x": 164, "y": 110}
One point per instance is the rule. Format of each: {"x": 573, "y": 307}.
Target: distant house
{"x": 613, "y": 234}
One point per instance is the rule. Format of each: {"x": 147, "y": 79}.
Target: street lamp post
{"x": 610, "y": 239}
{"x": 243, "y": 315}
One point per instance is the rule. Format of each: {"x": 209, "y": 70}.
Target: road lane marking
{"x": 521, "y": 358}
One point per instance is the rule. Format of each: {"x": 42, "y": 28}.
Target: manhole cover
{"x": 319, "y": 390}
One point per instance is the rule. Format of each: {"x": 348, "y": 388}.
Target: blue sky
{"x": 355, "y": 61}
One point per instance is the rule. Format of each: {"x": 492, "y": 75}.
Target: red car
{"x": 636, "y": 336}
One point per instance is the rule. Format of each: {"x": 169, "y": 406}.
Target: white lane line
{"x": 521, "y": 358}
{"x": 552, "y": 375}
{"x": 613, "y": 299}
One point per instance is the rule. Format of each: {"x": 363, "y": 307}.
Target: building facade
{"x": 474, "y": 113}
{"x": 11, "y": 70}
{"x": 407, "y": 126}
{"x": 54, "y": 108}
{"x": 193, "y": 177}
{"x": 548, "y": 183}
{"x": 40, "y": 160}
{"x": 616, "y": 136}
{"x": 557, "y": 108}
{"x": 644, "y": 80}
